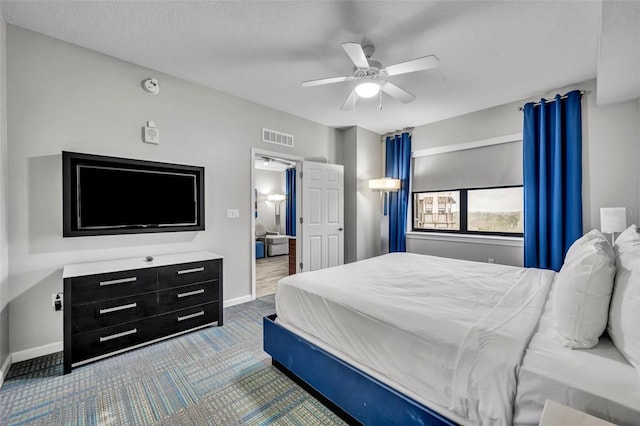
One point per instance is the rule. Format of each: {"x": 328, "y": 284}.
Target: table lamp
{"x": 612, "y": 220}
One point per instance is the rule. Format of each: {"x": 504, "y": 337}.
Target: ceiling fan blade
{"x": 350, "y": 102}
{"x": 322, "y": 81}
{"x": 398, "y": 93}
{"x": 418, "y": 64}
{"x": 355, "y": 52}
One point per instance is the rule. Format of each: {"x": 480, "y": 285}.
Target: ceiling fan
{"x": 372, "y": 75}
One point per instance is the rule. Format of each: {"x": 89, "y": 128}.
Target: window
{"x": 493, "y": 211}
{"x": 437, "y": 210}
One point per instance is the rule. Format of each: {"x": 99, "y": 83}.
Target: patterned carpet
{"x": 215, "y": 376}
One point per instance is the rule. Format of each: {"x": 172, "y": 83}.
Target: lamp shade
{"x": 276, "y": 197}
{"x": 367, "y": 89}
{"x": 384, "y": 184}
{"x": 613, "y": 219}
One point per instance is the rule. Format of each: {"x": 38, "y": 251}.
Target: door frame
{"x": 298, "y": 160}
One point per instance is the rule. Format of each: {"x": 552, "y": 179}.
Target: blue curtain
{"x": 397, "y": 166}
{"x": 291, "y": 202}
{"x": 552, "y": 178}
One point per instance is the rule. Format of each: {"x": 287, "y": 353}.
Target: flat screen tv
{"x": 108, "y": 195}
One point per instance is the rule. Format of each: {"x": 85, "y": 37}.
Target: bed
{"x": 405, "y": 338}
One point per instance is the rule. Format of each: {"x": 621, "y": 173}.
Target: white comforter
{"x": 450, "y": 332}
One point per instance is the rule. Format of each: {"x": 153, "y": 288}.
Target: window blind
{"x": 487, "y": 166}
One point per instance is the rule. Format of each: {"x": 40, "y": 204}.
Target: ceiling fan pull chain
{"x": 380, "y": 104}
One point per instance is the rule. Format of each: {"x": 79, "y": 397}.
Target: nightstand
{"x": 556, "y": 414}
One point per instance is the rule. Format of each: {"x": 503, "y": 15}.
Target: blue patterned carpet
{"x": 215, "y": 376}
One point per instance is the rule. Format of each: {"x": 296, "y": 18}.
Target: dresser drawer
{"x": 185, "y": 319}
{"x": 116, "y": 308}
{"x": 187, "y": 296}
{"x": 110, "y": 312}
{"x": 92, "y": 288}
{"x": 187, "y": 273}
{"x": 110, "y": 339}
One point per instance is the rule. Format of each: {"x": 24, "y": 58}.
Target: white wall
{"x": 478, "y": 249}
{"x": 369, "y": 166}
{"x": 64, "y": 97}
{"x": 611, "y": 165}
{"x": 270, "y": 182}
{"x": 349, "y": 143}
{"x": 362, "y": 158}
{"x": 610, "y": 160}
{"x": 4, "y": 174}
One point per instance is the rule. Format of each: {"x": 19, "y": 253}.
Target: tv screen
{"x": 107, "y": 195}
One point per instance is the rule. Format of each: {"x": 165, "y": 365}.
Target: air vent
{"x": 278, "y": 138}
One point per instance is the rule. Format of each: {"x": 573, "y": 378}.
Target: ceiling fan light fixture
{"x": 370, "y": 75}
{"x": 367, "y": 89}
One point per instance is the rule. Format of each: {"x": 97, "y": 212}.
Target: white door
{"x": 322, "y": 216}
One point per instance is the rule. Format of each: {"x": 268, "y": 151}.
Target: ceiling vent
{"x": 278, "y": 138}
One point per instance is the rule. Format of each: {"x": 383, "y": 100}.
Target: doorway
{"x": 270, "y": 239}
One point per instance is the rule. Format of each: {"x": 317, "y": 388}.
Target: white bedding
{"x": 450, "y": 331}
{"x": 599, "y": 381}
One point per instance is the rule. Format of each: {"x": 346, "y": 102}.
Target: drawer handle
{"x": 191, "y": 271}
{"x": 115, "y": 336}
{"x": 190, "y": 293}
{"x": 118, "y": 308}
{"x": 186, "y": 317}
{"x": 120, "y": 281}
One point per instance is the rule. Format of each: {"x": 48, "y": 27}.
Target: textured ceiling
{"x": 491, "y": 52}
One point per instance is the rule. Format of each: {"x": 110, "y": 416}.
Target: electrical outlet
{"x": 56, "y": 301}
{"x": 491, "y": 260}
{"x": 233, "y": 214}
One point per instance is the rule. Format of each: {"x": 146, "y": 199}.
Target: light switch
{"x": 233, "y": 214}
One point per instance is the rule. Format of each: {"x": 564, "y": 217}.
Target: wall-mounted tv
{"x": 108, "y": 195}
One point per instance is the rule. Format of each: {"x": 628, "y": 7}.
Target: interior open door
{"x": 322, "y": 216}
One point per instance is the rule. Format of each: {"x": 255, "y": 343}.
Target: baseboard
{"x": 36, "y": 352}
{"x": 5, "y": 369}
{"x": 237, "y": 301}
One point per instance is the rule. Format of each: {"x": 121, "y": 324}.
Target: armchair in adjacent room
{"x": 274, "y": 243}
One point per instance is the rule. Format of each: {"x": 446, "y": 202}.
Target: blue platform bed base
{"x": 361, "y": 396}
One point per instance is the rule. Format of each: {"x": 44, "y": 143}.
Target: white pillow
{"x": 583, "y": 291}
{"x": 629, "y": 240}
{"x": 624, "y": 315}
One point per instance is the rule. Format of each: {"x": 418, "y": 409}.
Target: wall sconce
{"x": 384, "y": 184}
{"x": 277, "y": 199}
{"x": 612, "y": 220}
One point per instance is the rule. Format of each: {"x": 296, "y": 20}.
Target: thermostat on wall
{"x": 151, "y": 134}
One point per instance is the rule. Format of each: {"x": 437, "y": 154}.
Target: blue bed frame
{"x": 360, "y": 396}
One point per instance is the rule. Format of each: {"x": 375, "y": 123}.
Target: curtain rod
{"x": 521, "y": 108}
{"x": 405, "y": 130}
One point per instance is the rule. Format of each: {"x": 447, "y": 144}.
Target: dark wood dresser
{"x": 114, "y": 306}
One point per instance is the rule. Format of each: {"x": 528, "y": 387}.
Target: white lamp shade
{"x": 367, "y": 89}
{"x": 384, "y": 184}
{"x": 613, "y": 219}
{"x": 276, "y": 197}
